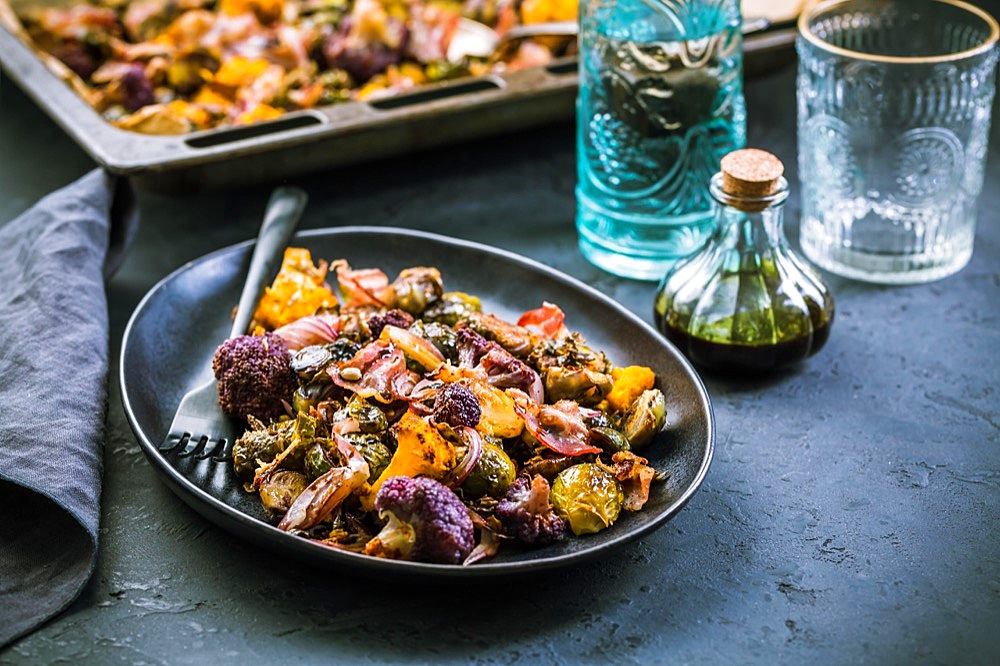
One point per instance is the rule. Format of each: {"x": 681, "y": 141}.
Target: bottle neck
{"x": 750, "y": 222}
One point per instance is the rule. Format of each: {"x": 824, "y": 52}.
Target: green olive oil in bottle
{"x": 746, "y": 302}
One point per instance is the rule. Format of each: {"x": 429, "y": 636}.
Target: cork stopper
{"x": 752, "y": 174}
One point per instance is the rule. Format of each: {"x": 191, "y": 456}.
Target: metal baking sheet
{"x": 305, "y": 141}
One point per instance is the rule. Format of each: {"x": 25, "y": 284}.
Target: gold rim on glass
{"x": 806, "y": 17}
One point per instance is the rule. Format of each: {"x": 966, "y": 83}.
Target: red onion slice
{"x": 474, "y": 441}
{"x": 311, "y": 330}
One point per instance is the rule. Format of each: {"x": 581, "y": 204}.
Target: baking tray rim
{"x": 495, "y": 102}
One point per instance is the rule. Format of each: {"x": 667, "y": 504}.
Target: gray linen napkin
{"x": 54, "y": 260}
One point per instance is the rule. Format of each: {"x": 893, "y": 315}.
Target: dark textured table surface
{"x": 850, "y": 514}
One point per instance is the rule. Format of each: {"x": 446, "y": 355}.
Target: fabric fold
{"x": 54, "y": 260}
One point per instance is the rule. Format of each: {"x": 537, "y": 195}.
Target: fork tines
{"x": 183, "y": 445}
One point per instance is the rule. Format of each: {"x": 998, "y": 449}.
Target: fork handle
{"x": 280, "y": 221}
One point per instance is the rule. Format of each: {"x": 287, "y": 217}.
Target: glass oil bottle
{"x": 746, "y": 302}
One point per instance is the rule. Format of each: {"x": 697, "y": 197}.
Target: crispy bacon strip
{"x": 559, "y": 427}
{"x": 380, "y": 368}
{"x": 635, "y": 475}
{"x": 365, "y": 286}
{"x": 547, "y": 320}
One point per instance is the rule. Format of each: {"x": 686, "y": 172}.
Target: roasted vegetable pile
{"x": 419, "y": 427}
{"x": 176, "y": 66}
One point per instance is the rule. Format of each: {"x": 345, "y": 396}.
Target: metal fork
{"x": 200, "y": 429}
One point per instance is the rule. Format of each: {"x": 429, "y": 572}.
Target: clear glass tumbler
{"x": 894, "y": 100}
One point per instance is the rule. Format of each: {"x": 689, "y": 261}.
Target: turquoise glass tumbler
{"x": 660, "y": 103}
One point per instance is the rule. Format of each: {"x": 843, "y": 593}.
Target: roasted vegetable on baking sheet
{"x": 177, "y": 66}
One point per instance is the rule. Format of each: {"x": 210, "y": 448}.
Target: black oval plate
{"x": 172, "y": 335}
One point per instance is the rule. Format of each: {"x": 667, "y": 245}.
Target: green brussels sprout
{"x": 609, "y": 440}
{"x": 259, "y": 445}
{"x": 492, "y": 474}
{"x": 278, "y": 491}
{"x": 452, "y": 308}
{"x": 583, "y": 385}
{"x": 186, "y": 73}
{"x": 370, "y": 418}
{"x": 311, "y": 394}
{"x": 373, "y": 450}
{"x": 416, "y": 288}
{"x": 645, "y": 418}
{"x": 308, "y": 361}
{"x": 316, "y": 461}
{"x": 343, "y": 348}
{"x": 588, "y": 497}
{"x": 441, "y": 336}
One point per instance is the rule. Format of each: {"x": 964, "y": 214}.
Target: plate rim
{"x": 215, "y": 510}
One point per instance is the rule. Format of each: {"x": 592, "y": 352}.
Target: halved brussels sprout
{"x": 581, "y": 384}
{"x": 343, "y": 348}
{"x": 492, "y": 474}
{"x": 373, "y": 450}
{"x": 588, "y": 497}
{"x": 370, "y": 418}
{"x": 416, "y": 288}
{"x": 311, "y": 394}
{"x": 608, "y": 439}
{"x": 259, "y": 445}
{"x": 439, "y": 335}
{"x": 278, "y": 491}
{"x": 452, "y": 308}
{"x": 308, "y": 361}
{"x": 316, "y": 462}
{"x": 645, "y": 418}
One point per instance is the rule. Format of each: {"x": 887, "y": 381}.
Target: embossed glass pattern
{"x": 894, "y": 100}
{"x": 660, "y": 103}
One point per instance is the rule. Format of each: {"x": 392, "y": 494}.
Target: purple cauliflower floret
{"x": 527, "y": 514}
{"x": 471, "y": 347}
{"x": 457, "y": 406}
{"x": 77, "y": 57}
{"x": 394, "y": 317}
{"x": 363, "y": 58}
{"x": 502, "y": 368}
{"x": 137, "y": 90}
{"x": 254, "y": 376}
{"x": 427, "y": 522}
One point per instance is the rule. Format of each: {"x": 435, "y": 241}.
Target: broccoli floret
{"x": 457, "y": 406}
{"x": 254, "y": 376}
{"x": 427, "y": 522}
{"x": 394, "y": 317}
{"x": 526, "y": 513}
